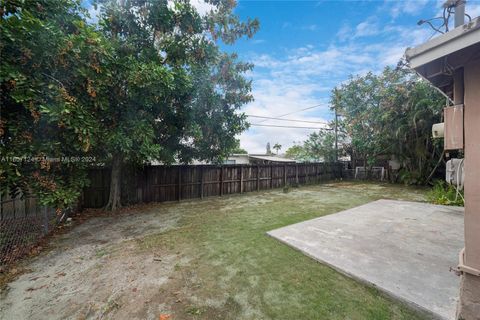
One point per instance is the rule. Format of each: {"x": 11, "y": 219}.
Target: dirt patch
{"x": 95, "y": 271}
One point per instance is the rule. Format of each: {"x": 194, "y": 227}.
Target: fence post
{"x": 296, "y": 174}
{"x": 144, "y": 186}
{"x": 285, "y": 175}
{"x": 221, "y": 181}
{"x": 241, "y": 179}
{"x": 307, "y": 170}
{"x": 258, "y": 177}
{"x": 201, "y": 181}
{"x": 271, "y": 177}
{"x": 179, "y": 183}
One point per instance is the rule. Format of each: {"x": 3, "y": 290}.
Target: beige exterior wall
{"x": 239, "y": 159}
{"x": 472, "y": 164}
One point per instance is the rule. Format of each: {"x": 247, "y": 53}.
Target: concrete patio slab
{"x": 404, "y": 248}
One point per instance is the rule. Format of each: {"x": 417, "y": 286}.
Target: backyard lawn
{"x": 202, "y": 259}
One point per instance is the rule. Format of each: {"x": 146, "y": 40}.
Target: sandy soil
{"x": 95, "y": 272}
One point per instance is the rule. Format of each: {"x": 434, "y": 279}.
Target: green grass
{"x": 233, "y": 270}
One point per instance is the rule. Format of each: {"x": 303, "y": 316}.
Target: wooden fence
{"x": 175, "y": 183}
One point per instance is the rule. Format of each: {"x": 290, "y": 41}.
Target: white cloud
{"x": 410, "y": 7}
{"x": 473, "y": 8}
{"x": 366, "y": 29}
{"x": 202, "y": 7}
{"x": 311, "y": 27}
{"x": 298, "y": 78}
{"x": 344, "y": 33}
{"x": 392, "y": 55}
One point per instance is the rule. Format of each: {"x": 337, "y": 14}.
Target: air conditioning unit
{"x": 438, "y": 130}
{"x": 455, "y": 173}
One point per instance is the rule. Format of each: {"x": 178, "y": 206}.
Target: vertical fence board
{"x": 174, "y": 183}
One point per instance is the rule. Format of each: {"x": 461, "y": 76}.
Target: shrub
{"x": 445, "y": 194}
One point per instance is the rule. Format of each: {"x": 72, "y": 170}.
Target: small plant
{"x": 445, "y": 194}
{"x": 410, "y": 177}
{"x": 194, "y": 310}
{"x": 101, "y": 252}
{"x": 110, "y": 306}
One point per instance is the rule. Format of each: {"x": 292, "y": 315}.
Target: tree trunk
{"x": 114, "y": 199}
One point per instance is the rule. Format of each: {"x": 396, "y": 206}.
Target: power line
{"x": 294, "y": 120}
{"x": 293, "y": 127}
{"x": 304, "y": 109}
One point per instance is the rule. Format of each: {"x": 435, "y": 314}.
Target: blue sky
{"x": 306, "y": 48}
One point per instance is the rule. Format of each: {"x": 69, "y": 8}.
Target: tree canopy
{"x": 47, "y": 115}
{"x": 387, "y": 115}
{"x": 391, "y": 114}
{"x": 319, "y": 147}
{"x": 277, "y": 147}
{"x": 148, "y": 81}
{"x": 237, "y": 149}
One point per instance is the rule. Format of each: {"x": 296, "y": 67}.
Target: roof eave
{"x": 445, "y": 44}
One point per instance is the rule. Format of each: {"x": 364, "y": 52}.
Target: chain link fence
{"x": 23, "y": 223}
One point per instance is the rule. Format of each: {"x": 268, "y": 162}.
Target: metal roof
{"x": 270, "y": 158}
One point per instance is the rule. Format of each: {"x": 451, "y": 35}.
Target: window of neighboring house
{"x": 229, "y": 162}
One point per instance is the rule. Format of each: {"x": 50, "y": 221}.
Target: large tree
{"x": 49, "y": 57}
{"x": 391, "y": 114}
{"x": 319, "y": 146}
{"x": 172, "y": 94}
{"x": 148, "y": 81}
{"x": 296, "y": 152}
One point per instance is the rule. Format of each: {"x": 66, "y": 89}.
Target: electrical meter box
{"x": 453, "y": 130}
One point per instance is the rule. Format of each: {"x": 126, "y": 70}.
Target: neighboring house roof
{"x": 238, "y": 155}
{"x": 270, "y": 158}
